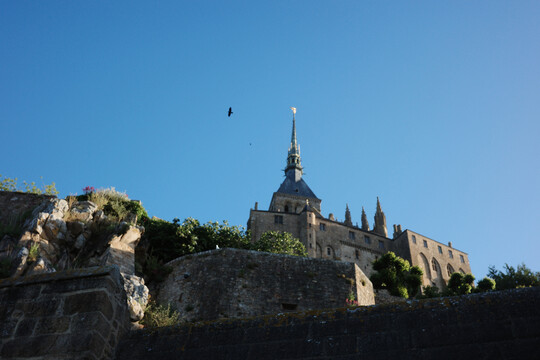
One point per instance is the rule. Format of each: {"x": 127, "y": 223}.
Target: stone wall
{"x": 433, "y": 258}
{"x": 232, "y": 283}
{"x": 15, "y": 204}
{"x": 498, "y": 325}
{"x": 77, "y": 314}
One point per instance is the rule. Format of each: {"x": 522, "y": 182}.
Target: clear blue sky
{"x": 432, "y": 106}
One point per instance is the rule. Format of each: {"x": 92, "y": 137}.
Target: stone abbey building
{"x": 294, "y": 208}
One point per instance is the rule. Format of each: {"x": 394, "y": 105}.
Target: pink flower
{"x": 88, "y": 190}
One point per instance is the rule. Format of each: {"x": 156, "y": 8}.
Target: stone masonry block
{"x": 25, "y": 327}
{"x": 52, "y": 325}
{"x": 88, "y": 321}
{"x": 28, "y": 346}
{"x": 89, "y": 302}
{"x": 40, "y": 308}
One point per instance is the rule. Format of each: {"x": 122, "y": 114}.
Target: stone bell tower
{"x": 292, "y": 194}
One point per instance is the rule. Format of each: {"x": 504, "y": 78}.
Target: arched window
{"x": 286, "y": 208}
{"x": 450, "y": 270}
{"x": 434, "y": 265}
{"x": 424, "y": 264}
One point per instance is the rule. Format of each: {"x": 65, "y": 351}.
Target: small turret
{"x": 397, "y": 230}
{"x": 348, "y": 220}
{"x": 365, "y": 223}
{"x": 380, "y": 221}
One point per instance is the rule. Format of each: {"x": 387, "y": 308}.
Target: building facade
{"x": 294, "y": 208}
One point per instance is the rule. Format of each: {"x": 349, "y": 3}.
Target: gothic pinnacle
{"x": 365, "y": 223}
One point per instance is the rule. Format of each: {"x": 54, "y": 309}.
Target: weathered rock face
{"x": 57, "y": 236}
{"x": 237, "y": 283}
{"x": 121, "y": 250}
{"x": 137, "y": 296}
{"x": 83, "y": 211}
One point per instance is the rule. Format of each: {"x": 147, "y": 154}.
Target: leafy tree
{"x": 513, "y": 278}
{"x": 486, "y": 284}
{"x": 459, "y": 284}
{"x": 396, "y": 275}
{"x": 279, "y": 243}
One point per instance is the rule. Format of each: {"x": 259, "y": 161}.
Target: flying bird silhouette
{"x": 230, "y": 112}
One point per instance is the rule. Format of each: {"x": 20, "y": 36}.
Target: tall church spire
{"x": 294, "y": 166}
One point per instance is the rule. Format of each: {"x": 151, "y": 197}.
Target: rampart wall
{"x": 498, "y": 325}
{"x": 76, "y": 314}
{"x": 234, "y": 283}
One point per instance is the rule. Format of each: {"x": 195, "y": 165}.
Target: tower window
{"x": 322, "y": 227}
{"x": 278, "y": 219}
{"x": 440, "y": 249}
{"x": 462, "y": 258}
{"x": 367, "y": 240}
{"x": 351, "y": 235}
{"x": 328, "y": 251}
{"x": 450, "y": 254}
{"x": 414, "y": 239}
{"x": 425, "y": 243}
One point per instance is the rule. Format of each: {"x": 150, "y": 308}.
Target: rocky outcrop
{"x": 60, "y": 236}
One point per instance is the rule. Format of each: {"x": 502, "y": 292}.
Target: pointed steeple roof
{"x": 293, "y": 157}
{"x": 293, "y": 183}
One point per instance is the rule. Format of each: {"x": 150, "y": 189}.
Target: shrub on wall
{"x": 459, "y": 284}
{"x": 486, "y": 284}
{"x": 396, "y": 275}
{"x": 8, "y": 184}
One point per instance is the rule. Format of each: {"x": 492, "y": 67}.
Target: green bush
{"x": 33, "y": 252}
{"x": 396, "y": 275}
{"x": 486, "y": 284}
{"x": 156, "y": 315}
{"x": 431, "y": 292}
{"x": 8, "y": 184}
{"x": 459, "y": 284}
{"x": 279, "y": 243}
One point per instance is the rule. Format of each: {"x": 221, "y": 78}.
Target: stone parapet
{"x": 74, "y": 314}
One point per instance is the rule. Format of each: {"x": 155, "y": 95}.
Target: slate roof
{"x": 298, "y": 188}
